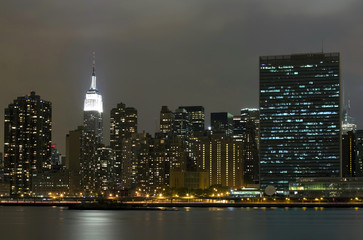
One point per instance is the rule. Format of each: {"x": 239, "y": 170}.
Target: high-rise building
{"x": 106, "y": 167}
{"x": 348, "y": 154}
{"x": 221, "y": 157}
{"x": 136, "y": 154}
{"x": 81, "y": 161}
{"x": 222, "y": 123}
{"x": 250, "y": 119}
{"x": 300, "y": 118}
{"x": 166, "y": 122}
{"x": 27, "y": 142}
{"x": 239, "y": 129}
{"x": 123, "y": 124}
{"x": 56, "y": 161}
{"x": 93, "y": 109}
{"x": 252, "y": 115}
{"x": 73, "y": 159}
{"x": 349, "y": 157}
{"x": 348, "y": 122}
{"x": 197, "y": 118}
{"x": 182, "y": 126}
{"x": 359, "y": 152}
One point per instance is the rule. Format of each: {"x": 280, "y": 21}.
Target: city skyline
{"x": 175, "y": 61}
{"x": 203, "y": 119}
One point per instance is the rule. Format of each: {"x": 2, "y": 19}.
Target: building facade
{"x": 166, "y": 122}
{"x": 197, "y": 118}
{"x": 93, "y": 109}
{"x": 106, "y": 172}
{"x": 27, "y": 142}
{"x": 123, "y": 124}
{"x": 300, "y": 118}
{"x": 81, "y": 161}
{"x": 221, "y": 158}
{"x": 222, "y": 123}
{"x": 349, "y": 168}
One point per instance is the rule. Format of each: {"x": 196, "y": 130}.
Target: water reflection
{"x": 36, "y": 223}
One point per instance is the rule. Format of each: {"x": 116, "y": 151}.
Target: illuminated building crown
{"x": 93, "y": 101}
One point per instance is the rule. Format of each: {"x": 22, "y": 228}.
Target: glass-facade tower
{"x": 300, "y": 117}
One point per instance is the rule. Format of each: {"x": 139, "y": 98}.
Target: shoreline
{"x": 163, "y": 205}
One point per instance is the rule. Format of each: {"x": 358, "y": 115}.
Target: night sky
{"x": 165, "y": 52}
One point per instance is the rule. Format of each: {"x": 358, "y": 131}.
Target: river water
{"x": 37, "y": 223}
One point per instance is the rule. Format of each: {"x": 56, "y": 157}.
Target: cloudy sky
{"x": 165, "y": 52}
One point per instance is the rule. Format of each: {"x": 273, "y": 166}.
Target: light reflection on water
{"x": 36, "y": 223}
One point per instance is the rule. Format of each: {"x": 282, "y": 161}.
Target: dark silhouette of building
{"x": 222, "y": 123}
{"x": 348, "y": 155}
{"x": 359, "y": 152}
{"x": 182, "y": 125}
{"x": 81, "y": 161}
{"x": 197, "y": 118}
{"x": 246, "y": 130}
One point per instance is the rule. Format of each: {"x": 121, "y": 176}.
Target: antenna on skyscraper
{"x": 94, "y": 63}
{"x": 348, "y": 107}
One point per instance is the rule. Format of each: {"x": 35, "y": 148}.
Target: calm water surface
{"x": 34, "y": 223}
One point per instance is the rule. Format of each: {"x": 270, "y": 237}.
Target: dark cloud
{"x": 165, "y": 52}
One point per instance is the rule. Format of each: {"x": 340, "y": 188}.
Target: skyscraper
{"x": 197, "y": 118}
{"x": 349, "y": 168}
{"x": 182, "y": 123}
{"x": 300, "y": 117}
{"x": 81, "y": 160}
{"x": 222, "y": 122}
{"x": 221, "y": 157}
{"x": 359, "y": 152}
{"x": 250, "y": 119}
{"x": 123, "y": 124}
{"x": 28, "y": 135}
{"x": 166, "y": 122}
{"x": 93, "y": 108}
{"x": 136, "y": 153}
{"x": 106, "y": 176}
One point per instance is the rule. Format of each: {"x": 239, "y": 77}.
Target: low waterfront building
{"x": 51, "y": 183}
{"x": 246, "y": 193}
{"x": 327, "y": 188}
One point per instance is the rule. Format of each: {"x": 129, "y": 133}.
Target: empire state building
{"x": 93, "y": 108}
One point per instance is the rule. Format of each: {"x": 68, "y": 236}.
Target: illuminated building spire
{"x": 93, "y": 83}
{"x": 93, "y": 107}
{"x": 93, "y": 101}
